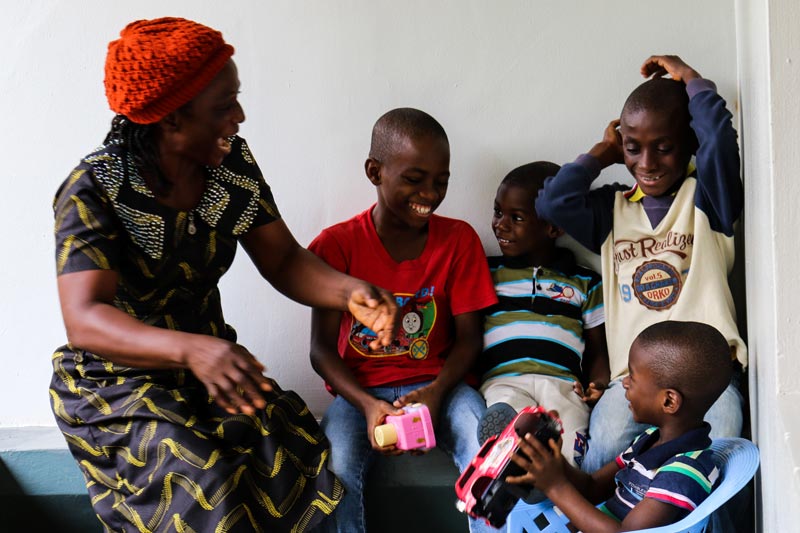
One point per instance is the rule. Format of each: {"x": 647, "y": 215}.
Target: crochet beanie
{"x": 158, "y": 65}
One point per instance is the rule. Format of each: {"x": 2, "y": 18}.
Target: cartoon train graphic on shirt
{"x": 418, "y": 314}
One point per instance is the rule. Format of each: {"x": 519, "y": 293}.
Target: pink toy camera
{"x": 409, "y": 431}
{"x": 481, "y": 488}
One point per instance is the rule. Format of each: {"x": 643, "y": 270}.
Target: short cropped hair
{"x": 531, "y": 176}
{"x": 394, "y": 126}
{"x": 659, "y": 94}
{"x": 690, "y": 357}
{"x": 666, "y": 96}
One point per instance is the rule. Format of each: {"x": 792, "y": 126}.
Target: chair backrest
{"x": 539, "y": 517}
{"x": 736, "y": 458}
{"x": 738, "y": 461}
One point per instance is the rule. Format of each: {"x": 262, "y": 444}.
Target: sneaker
{"x": 495, "y": 420}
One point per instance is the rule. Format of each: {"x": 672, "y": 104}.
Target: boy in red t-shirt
{"x": 437, "y": 270}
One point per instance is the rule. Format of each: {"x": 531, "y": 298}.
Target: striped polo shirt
{"x": 680, "y": 472}
{"x": 537, "y": 325}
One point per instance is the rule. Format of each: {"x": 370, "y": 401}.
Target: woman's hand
{"x": 376, "y": 308}
{"x": 230, "y": 373}
{"x": 609, "y": 150}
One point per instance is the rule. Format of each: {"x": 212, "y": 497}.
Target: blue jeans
{"x": 352, "y": 455}
{"x": 612, "y": 429}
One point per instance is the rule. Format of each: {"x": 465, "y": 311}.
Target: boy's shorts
{"x": 554, "y": 394}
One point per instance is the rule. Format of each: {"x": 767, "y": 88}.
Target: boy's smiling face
{"x": 519, "y": 231}
{"x": 412, "y": 182}
{"x": 655, "y": 148}
{"x": 641, "y": 389}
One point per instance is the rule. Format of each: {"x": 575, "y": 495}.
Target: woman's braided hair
{"x": 140, "y": 141}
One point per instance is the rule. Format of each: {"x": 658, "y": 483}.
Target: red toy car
{"x": 481, "y": 488}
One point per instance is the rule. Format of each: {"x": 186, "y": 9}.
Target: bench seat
{"x": 42, "y": 489}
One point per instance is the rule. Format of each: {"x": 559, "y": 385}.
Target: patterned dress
{"x": 157, "y": 453}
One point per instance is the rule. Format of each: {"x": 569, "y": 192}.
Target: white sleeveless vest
{"x": 675, "y": 271}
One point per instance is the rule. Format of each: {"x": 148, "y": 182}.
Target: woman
{"x": 174, "y": 424}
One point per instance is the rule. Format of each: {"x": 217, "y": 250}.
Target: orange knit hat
{"x": 158, "y": 65}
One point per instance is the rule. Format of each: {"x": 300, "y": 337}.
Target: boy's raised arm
{"x": 659, "y": 65}
{"x": 720, "y": 193}
{"x": 609, "y": 150}
{"x": 568, "y": 201}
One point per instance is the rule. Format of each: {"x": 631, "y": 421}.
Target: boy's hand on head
{"x": 673, "y": 65}
{"x": 590, "y": 394}
{"x": 430, "y": 395}
{"x": 376, "y": 308}
{"x": 544, "y": 465}
{"x": 609, "y": 150}
{"x": 375, "y": 415}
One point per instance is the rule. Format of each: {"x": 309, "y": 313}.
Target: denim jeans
{"x": 352, "y": 456}
{"x": 612, "y": 429}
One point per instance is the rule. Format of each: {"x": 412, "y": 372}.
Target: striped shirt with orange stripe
{"x": 680, "y": 472}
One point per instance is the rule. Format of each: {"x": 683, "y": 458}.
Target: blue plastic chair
{"x": 736, "y": 458}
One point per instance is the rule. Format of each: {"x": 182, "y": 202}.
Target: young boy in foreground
{"x": 677, "y": 370}
{"x": 545, "y": 336}
{"x": 666, "y": 244}
{"x": 436, "y": 269}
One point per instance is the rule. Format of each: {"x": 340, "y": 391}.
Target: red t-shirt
{"x": 450, "y": 277}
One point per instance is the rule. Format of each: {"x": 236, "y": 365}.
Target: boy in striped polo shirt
{"x": 677, "y": 370}
{"x": 547, "y": 333}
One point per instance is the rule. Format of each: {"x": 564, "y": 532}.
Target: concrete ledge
{"x": 42, "y": 489}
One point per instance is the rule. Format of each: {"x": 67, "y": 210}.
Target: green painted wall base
{"x": 41, "y": 487}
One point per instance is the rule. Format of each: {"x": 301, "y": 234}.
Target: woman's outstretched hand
{"x": 376, "y": 308}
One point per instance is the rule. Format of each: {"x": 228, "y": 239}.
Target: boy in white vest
{"x": 667, "y": 243}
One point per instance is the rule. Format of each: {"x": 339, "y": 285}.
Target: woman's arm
{"x": 305, "y": 278}
{"x": 231, "y": 374}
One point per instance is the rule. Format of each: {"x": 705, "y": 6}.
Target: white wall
{"x": 511, "y": 81}
{"x": 769, "y": 57}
